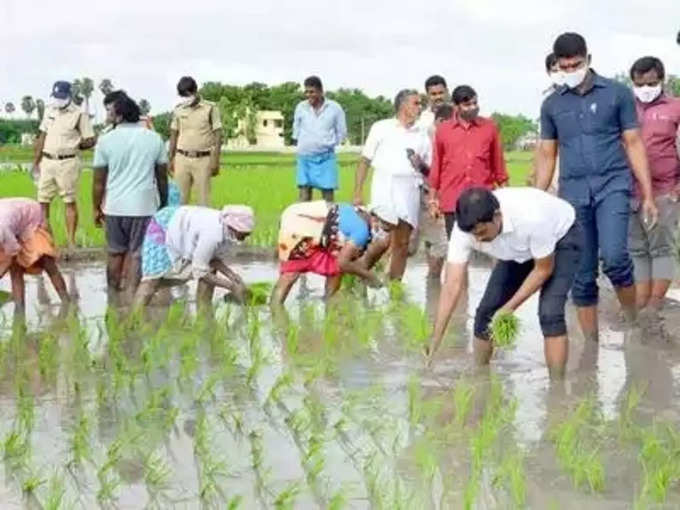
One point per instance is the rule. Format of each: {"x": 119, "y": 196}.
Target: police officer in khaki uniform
{"x": 195, "y": 142}
{"x": 64, "y": 131}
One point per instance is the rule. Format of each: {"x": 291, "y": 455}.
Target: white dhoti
{"x": 399, "y": 192}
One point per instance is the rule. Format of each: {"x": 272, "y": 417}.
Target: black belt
{"x": 58, "y": 157}
{"x": 194, "y": 154}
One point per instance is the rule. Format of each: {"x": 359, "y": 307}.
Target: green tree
{"x": 27, "y": 105}
{"x": 673, "y": 85}
{"x": 161, "y": 124}
{"x": 40, "y": 106}
{"x": 12, "y": 129}
{"x": 77, "y": 91}
{"x": 9, "y": 108}
{"x": 361, "y": 112}
{"x": 106, "y": 86}
{"x": 512, "y": 128}
{"x": 144, "y": 106}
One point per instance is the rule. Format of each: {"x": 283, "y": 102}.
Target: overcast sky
{"x": 497, "y": 46}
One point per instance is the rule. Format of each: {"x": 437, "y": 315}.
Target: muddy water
{"x": 378, "y": 425}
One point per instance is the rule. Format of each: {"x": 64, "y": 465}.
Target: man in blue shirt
{"x": 318, "y": 126}
{"x": 130, "y": 184}
{"x": 592, "y": 121}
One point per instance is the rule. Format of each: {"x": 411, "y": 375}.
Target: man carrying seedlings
{"x": 195, "y": 142}
{"x": 537, "y": 243}
{"x": 467, "y": 152}
{"x": 130, "y": 168}
{"x": 653, "y": 250}
{"x": 64, "y": 131}
{"x": 593, "y": 122}
{"x": 400, "y": 153}
{"x": 318, "y": 127}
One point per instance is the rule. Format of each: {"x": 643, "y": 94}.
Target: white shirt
{"x": 195, "y": 235}
{"x": 426, "y": 122}
{"x": 386, "y": 147}
{"x": 533, "y": 223}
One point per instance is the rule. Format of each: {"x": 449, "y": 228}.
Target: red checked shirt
{"x": 466, "y": 155}
{"x": 660, "y": 122}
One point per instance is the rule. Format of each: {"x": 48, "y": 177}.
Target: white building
{"x": 268, "y": 132}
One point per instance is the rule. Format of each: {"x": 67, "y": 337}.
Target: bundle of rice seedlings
{"x": 259, "y": 293}
{"x": 504, "y": 329}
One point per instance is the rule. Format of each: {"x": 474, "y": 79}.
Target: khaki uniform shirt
{"x": 65, "y": 128}
{"x": 196, "y": 125}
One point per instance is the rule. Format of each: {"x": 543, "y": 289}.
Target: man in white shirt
{"x": 437, "y": 95}
{"x": 400, "y": 153}
{"x": 537, "y": 243}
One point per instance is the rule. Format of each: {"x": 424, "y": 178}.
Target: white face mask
{"x": 647, "y": 93}
{"x": 187, "y": 100}
{"x": 575, "y": 78}
{"x": 60, "y": 103}
{"x": 557, "y": 77}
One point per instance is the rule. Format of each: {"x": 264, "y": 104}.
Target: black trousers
{"x": 449, "y": 222}
{"x": 507, "y": 277}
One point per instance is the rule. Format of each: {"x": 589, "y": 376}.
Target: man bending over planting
{"x": 538, "y": 245}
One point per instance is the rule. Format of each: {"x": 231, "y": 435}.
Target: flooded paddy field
{"x": 325, "y": 406}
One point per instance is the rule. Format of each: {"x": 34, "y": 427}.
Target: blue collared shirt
{"x": 318, "y": 132}
{"x": 588, "y": 128}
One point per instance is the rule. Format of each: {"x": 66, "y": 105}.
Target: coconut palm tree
{"x": 144, "y": 106}
{"x": 106, "y": 86}
{"x": 10, "y": 108}
{"x": 27, "y": 105}
{"x": 40, "y": 106}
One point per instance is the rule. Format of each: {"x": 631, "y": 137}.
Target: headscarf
{"x": 239, "y": 217}
{"x": 385, "y": 213}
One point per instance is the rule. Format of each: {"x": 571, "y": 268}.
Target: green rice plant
{"x": 627, "y": 428}
{"x": 660, "y": 460}
{"x": 415, "y": 400}
{"x": 80, "y": 441}
{"x": 576, "y": 451}
{"x": 504, "y": 330}
{"x": 417, "y": 325}
{"x": 511, "y": 475}
{"x": 397, "y": 290}
{"x": 47, "y": 355}
{"x": 463, "y": 393}
{"x": 314, "y": 460}
{"x": 32, "y": 482}
{"x": 259, "y": 293}
{"x": 5, "y": 297}
{"x": 282, "y": 383}
{"x": 16, "y": 447}
{"x": 338, "y": 500}
{"x": 157, "y": 473}
{"x": 55, "y": 493}
{"x": 285, "y": 500}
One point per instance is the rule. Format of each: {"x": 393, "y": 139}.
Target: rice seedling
{"x": 80, "y": 441}
{"x": 16, "y": 447}
{"x": 259, "y": 293}
{"x": 511, "y": 476}
{"x": 157, "y": 473}
{"x": 577, "y": 452}
{"x": 660, "y": 460}
{"x": 31, "y": 482}
{"x": 417, "y": 326}
{"x": 504, "y": 329}
{"x": 55, "y": 493}
{"x": 415, "y": 400}
{"x": 463, "y": 393}
{"x": 285, "y": 500}
{"x": 338, "y": 501}
{"x": 47, "y": 355}
{"x": 396, "y": 290}
{"x": 627, "y": 428}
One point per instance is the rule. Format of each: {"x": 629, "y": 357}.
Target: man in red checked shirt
{"x": 467, "y": 153}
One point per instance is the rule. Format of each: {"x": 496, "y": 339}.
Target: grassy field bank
{"x": 265, "y": 181}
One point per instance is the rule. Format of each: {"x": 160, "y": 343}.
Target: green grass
{"x": 265, "y": 181}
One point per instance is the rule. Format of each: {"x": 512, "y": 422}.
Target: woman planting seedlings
{"x": 185, "y": 242}
{"x": 26, "y": 247}
{"x": 537, "y": 243}
{"x": 330, "y": 240}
